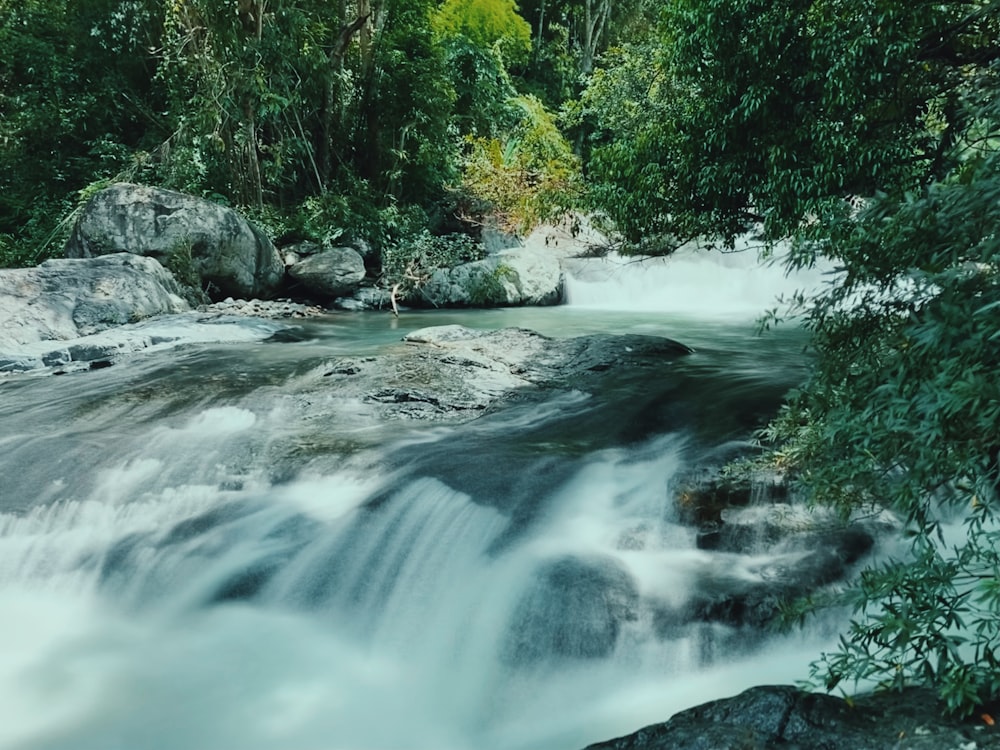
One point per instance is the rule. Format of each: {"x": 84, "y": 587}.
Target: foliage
{"x": 904, "y": 409}
{"x": 483, "y": 89}
{"x": 71, "y": 113}
{"x": 408, "y": 262}
{"x": 489, "y": 286}
{"x": 284, "y": 108}
{"x": 632, "y": 105}
{"x": 767, "y": 117}
{"x": 870, "y": 134}
{"x": 488, "y": 24}
{"x": 569, "y": 35}
{"x": 530, "y": 176}
{"x": 407, "y": 148}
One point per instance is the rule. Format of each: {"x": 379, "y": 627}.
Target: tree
{"x": 521, "y": 177}
{"x": 75, "y": 102}
{"x": 870, "y": 135}
{"x": 569, "y": 35}
{"x": 487, "y": 24}
{"x": 904, "y": 409}
{"x": 783, "y": 107}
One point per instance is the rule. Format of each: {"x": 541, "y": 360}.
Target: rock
{"x": 203, "y": 242}
{"x": 787, "y": 551}
{"x": 576, "y": 610}
{"x": 46, "y": 311}
{"x": 781, "y": 717}
{"x": 454, "y": 373}
{"x": 365, "y": 298}
{"x": 335, "y": 272}
{"x": 272, "y": 309}
{"x": 516, "y": 276}
{"x": 67, "y": 298}
{"x": 755, "y": 596}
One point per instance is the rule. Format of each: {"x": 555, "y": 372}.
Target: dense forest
{"x": 866, "y": 132}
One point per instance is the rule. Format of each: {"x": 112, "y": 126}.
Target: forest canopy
{"x": 354, "y": 117}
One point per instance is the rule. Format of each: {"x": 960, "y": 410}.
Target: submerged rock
{"x": 786, "y": 718}
{"x": 455, "y": 373}
{"x": 207, "y": 244}
{"x": 576, "y": 610}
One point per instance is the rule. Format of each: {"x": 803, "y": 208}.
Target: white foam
{"x": 692, "y": 282}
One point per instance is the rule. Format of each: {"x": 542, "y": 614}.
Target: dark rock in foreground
{"x": 785, "y": 718}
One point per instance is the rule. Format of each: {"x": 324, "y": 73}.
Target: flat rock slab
{"x": 455, "y": 373}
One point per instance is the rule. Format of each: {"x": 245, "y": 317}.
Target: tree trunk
{"x": 332, "y": 120}
{"x": 595, "y": 18}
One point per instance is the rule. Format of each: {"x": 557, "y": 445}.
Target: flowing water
{"x": 186, "y": 562}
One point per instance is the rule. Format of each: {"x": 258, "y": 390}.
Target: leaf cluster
{"x": 903, "y": 410}
{"x": 764, "y": 113}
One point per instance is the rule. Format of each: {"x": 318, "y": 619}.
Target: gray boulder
{"x": 205, "y": 243}
{"x": 335, "y": 272}
{"x": 511, "y": 277}
{"x": 66, "y": 299}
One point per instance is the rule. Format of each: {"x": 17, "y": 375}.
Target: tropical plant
{"x": 522, "y": 178}
{"x": 869, "y": 133}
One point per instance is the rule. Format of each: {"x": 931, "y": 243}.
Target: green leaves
{"x": 487, "y": 24}
{"x": 869, "y": 134}
{"x": 759, "y": 121}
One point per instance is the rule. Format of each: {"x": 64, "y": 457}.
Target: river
{"x": 187, "y": 563}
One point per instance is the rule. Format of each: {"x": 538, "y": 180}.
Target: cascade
{"x": 182, "y": 565}
{"x": 694, "y": 282}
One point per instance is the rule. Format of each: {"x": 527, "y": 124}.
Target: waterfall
{"x": 692, "y": 282}
{"x": 187, "y": 561}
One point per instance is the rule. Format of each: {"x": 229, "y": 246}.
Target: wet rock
{"x": 787, "y": 551}
{"x": 782, "y": 717}
{"x": 456, "y": 373}
{"x": 207, "y": 244}
{"x": 46, "y": 311}
{"x": 510, "y": 277}
{"x": 575, "y": 610}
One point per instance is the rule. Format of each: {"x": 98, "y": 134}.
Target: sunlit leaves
{"x": 487, "y": 24}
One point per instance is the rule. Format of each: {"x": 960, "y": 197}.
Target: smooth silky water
{"x": 187, "y": 563}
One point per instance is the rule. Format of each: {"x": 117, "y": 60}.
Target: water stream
{"x": 187, "y": 563}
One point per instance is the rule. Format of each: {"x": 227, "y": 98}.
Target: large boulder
{"x": 65, "y": 299}
{"x": 334, "y": 272}
{"x": 207, "y": 244}
{"x": 511, "y": 277}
